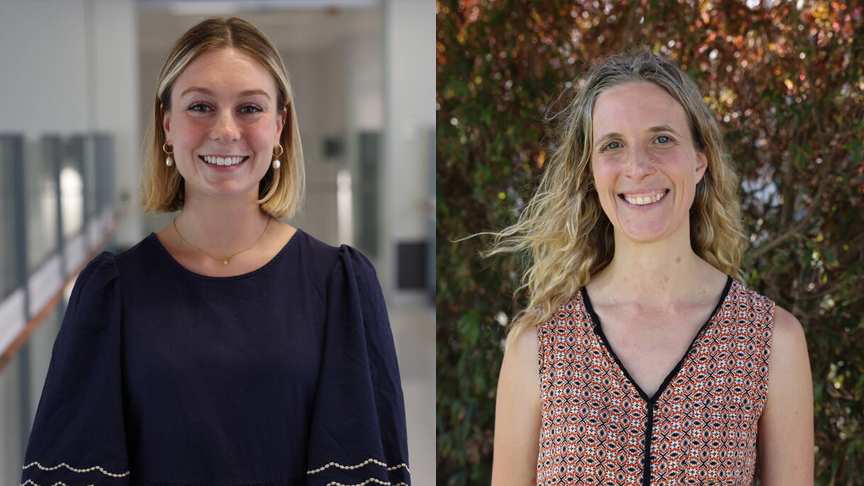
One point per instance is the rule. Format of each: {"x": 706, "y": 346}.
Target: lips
{"x": 227, "y": 161}
{"x": 644, "y": 199}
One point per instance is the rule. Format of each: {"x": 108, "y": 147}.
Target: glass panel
{"x": 10, "y": 147}
{"x": 367, "y": 227}
{"x": 41, "y": 195}
{"x": 12, "y": 420}
{"x": 72, "y": 188}
{"x": 104, "y": 171}
{"x": 89, "y": 173}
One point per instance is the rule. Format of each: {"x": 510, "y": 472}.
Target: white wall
{"x": 69, "y": 66}
{"x": 366, "y": 83}
{"x": 409, "y": 64}
{"x": 43, "y": 85}
{"x": 317, "y": 77}
{"x": 115, "y": 88}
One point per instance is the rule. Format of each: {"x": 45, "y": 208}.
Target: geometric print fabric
{"x": 600, "y": 428}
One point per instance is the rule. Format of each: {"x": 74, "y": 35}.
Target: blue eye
{"x": 668, "y": 139}
{"x": 610, "y": 147}
{"x": 255, "y": 108}
{"x": 197, "y": 105}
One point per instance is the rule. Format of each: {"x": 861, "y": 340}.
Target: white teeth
{"x": 223, "y": 160}
{"x": 641, "y": 201}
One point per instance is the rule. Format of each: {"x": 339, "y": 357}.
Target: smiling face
{"x": 223, "y": 111}
{"x": 644, "y": 161}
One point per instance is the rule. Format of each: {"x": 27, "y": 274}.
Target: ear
{"x": 166, "y": 121}
{"x": 280, "y": 122}
{"x": 701, "y": 165}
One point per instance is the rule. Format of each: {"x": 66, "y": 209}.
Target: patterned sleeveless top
{"x": 699, "y": 428}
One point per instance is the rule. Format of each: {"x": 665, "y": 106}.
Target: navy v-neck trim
{"x": 598, "y": 329}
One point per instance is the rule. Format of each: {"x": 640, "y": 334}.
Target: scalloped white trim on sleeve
{"x": 358, "y": 466}
{"x": 67, "y": 466}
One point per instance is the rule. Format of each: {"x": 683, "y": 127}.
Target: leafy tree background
{"x": 785, "y": 80}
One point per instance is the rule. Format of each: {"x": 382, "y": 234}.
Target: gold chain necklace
{"x": 225, "y": 260}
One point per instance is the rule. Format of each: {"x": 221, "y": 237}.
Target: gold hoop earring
{"x": 168, "y": 161}
{"x": 276, "y": 163}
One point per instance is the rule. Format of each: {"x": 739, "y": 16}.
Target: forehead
{"x": 225, "y": 71}
{"x": 634, "y": 107}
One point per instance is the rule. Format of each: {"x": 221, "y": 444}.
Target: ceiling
{"x": 300, "y": 25}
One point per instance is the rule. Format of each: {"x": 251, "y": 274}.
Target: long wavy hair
{"x": 563, "y": 230}
{"x": 280, "y": 192}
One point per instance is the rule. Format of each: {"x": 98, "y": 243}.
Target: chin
{"x": 646, "y": 235}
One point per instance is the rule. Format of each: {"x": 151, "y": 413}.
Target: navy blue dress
{"x": 286, "y": 375}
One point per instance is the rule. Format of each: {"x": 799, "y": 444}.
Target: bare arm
{"x": 785, "y": 440}
{"x": 517, "y": 415}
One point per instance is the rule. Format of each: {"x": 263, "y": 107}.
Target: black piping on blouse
{"x": 650, "y": 402}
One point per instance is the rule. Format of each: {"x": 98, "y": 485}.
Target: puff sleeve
{"x": 78, "y": 435}
{"x": 357, "y": 433}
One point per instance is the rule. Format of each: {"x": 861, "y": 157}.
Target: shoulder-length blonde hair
{"x": 280, "y": 192}
{"x": 563, "y": 229}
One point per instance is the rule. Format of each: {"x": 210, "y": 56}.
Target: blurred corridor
{"x": 71, "y": 116}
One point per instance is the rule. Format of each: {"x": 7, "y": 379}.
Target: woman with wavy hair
{"x": 229, "y": 348}
{"x": 641, "y": 357}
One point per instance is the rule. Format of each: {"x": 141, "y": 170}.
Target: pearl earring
{"x": 168, "y": 161}
{"x": 276, "y": 163}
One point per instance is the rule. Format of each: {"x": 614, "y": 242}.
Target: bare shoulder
{"x": 789, "y": 364}
{"x": 524, "y": 346}
{"x": 520, "y": 371}
{"x": 785, "y": 437}
{"x": 789, "y": 356}
{"x": 520, "y": 367}
{"x": 788, "y": 334}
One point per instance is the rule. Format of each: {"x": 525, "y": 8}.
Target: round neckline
{"x": 252, "y": 273}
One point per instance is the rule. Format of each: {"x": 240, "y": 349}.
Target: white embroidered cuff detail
{"x": 358, "y": 466}
{"x": 61, "y": 483}
{"x": 370, "y": 480}
{"x": 67, "y": 466}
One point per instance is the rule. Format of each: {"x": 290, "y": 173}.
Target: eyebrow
{"x": 248, "y": 92}
{"x": 654, "y": 129}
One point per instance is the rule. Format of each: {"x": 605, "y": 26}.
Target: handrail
{"x": 33, "y": 323}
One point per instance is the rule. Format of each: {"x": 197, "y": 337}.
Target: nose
{"x": 639, "y": 164}
{"x": 224, "y": 128}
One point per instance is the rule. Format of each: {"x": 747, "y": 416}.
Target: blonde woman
{"x": 642, "y": 359}
{"x": 229, "y": 348}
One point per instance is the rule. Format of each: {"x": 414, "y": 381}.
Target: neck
{"x": 661, "y": 273}
{"x": 221, "y": 227}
